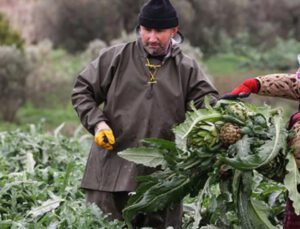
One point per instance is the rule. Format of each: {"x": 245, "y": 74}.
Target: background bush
{"x": 73, "y": 24}
{"x": 50, "y": 83}
{"x": 282, "y": 56}
{"x": 8, "y": 36}
{"x": 234, "y": 39}
{"x": 14, "y": 69}
{"x": 262, "y": 20}
{"x": 94, "y": 48}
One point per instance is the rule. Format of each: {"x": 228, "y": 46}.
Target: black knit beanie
{"x": 158, "y": 14}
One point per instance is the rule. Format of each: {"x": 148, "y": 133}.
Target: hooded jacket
{"x": 133, "y": 108}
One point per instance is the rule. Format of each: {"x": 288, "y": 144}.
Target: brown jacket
{"x": 133, "y": 108}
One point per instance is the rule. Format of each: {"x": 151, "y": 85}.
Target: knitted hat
{"x": 158, "y": 14}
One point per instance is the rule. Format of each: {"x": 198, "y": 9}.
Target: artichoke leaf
{"x": 258, "y": 212}
{"x": 291, "y": 180}
{"x": 157, "y": 197}
{"x": 160, "y": 143}
{"x": 192, "y": 118}
{"x": 151, "y": 157}
{"x": 252, "y": 212}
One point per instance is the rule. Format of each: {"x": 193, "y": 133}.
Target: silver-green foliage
{"x": 224, "y": 179}
{"x": 40, "y": 182}
{"x": 280, "y": 55}
{"x": 93, "y": 49}
{"x": 14, "y": 69}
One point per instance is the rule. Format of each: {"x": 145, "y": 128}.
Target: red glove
{"x": 244, "y": 90}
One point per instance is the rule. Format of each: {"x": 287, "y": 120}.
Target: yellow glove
{"x": 104, "y": 136}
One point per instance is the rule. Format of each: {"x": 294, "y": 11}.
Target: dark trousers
{"x": 112, "y": 204}
{"x": 291, "y": 220}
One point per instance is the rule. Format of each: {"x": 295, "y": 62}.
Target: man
{"x": 146, "y": 87}
{"x": 285, "y": 86}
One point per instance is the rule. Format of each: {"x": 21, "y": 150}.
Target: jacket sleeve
{"x": 280, "y": 85}
{"x": 200, "y": 87}
{"x": 90, "y": 91}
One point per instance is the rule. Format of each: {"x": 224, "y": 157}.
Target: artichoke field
{"x": 40, "y": 182}
{"x": 230, "y": 164}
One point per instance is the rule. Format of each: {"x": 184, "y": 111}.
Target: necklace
{"x": 152, "y": 68}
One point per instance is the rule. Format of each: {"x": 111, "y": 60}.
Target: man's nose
{"x": 153, "y": 36}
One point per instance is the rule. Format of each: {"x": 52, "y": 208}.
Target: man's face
{"x": 156, "y": 41}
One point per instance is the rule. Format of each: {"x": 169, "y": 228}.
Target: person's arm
{"x": 87, "y": 95}
{"x": 280, "y": 85}
{"x": 89, "y": 92}
{"x": 275, "y": 85}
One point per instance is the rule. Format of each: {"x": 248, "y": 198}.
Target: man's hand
{"x": 244, "y": 90}
{"x": 104, "y": 136}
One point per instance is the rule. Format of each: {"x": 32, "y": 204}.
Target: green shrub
{"x": 73, "y": 24}
{"x": 124, "y": 37}
{"x": 94, "y": 48}
{"x": 14, "y": 69}
{"x": 8, "y": 36}
{"x": 50, "y": 83}
{"x": 282, "y": 55}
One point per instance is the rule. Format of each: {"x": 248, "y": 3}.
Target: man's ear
{"x": 175, "y": 30}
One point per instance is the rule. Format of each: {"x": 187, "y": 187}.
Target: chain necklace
{"x": 152, "y": 68}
